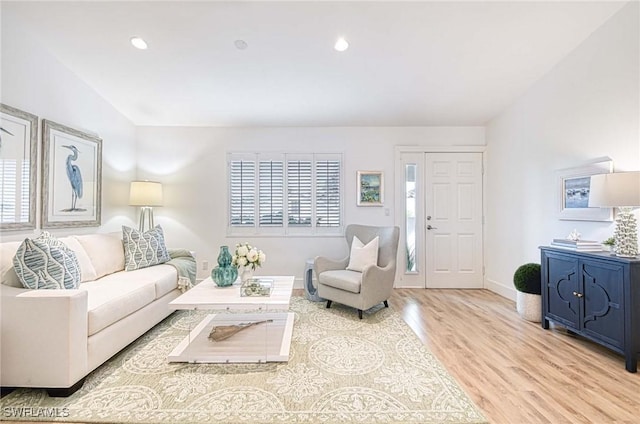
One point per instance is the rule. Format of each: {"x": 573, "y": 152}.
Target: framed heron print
{"x": 71, "y": 177}
{"x": 18, "y": 161}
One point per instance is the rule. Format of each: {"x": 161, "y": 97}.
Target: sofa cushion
{"x": 143, "y": 249}
{"x": 87, "y": 271}
{"x": 362, "y": 255}
{"x": 342, "y": 279}
{"x": 164, "y": 277}
{"x": 8, "y": 274}
{"x": 105, "y": 251}
{"x": 114, "y": 297}
{"x": 46, "y": 263}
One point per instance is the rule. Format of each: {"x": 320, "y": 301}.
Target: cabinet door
{"x": 603, "y": 316}
{"x": 561, "y": 282}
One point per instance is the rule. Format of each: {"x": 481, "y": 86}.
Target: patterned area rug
{"x": 341, "y": 370}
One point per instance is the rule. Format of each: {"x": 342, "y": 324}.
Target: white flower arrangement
{"x": 248, "y": 256}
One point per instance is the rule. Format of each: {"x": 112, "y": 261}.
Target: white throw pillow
{"x": 363, "y": 255}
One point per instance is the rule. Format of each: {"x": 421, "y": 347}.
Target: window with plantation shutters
{"x": 271, "y": 193}
{"x": 299, "y": 192}
{"x": 328, "y": 193}
{"x": 242, "y": 187}
{"x": 8, "y": 190}
{"x": 292, "y": 194}
{"x": 24, "y": 193}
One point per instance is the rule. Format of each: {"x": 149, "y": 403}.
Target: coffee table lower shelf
{"x": 268, "y": 342}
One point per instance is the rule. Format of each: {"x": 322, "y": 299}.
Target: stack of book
{"x": 580, "y": 245}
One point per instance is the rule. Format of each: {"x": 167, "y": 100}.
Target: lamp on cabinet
{"x": 147, "y": 195}
{"x": 620, "y": 190}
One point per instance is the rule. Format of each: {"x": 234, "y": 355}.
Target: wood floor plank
{"x": 515, "y": 371}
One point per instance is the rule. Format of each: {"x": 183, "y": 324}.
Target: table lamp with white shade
{"x": 147, "y": 195}
{"x": 620, "y": 190}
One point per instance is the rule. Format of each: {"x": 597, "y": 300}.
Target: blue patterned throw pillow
{"x": 143, "y": 249}
{"x": 46, "y": 263}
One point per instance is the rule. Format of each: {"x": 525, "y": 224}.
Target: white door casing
{"x": 448, "y": 189}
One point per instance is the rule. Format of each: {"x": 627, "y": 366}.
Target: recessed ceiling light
{"x": 139, "y": 43}
{"x": 240, "y": 44}
{"x": 341, "y": 45}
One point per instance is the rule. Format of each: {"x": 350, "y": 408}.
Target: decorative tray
{"x": 257, "y": 287}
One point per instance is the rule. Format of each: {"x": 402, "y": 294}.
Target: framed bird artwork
{"x": 18, "y": 166}
{"x": 71, "y": 177}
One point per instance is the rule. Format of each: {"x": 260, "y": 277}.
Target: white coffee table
{"x": 266, "y": 342}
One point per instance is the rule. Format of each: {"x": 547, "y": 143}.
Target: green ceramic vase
{"x": 224, "y": 274}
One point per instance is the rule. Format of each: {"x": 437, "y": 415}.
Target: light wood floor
{"x": 514, "y": 371}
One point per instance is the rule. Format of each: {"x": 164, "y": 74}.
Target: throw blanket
{"x": 184, "y": 262}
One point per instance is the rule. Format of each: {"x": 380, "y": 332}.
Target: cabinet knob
{"x": 576, "y": 294}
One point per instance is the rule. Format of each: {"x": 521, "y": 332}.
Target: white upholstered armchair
{"x": 341, "y": 281}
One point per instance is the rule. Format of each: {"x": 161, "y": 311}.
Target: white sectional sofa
{"x": 53, "y": 338}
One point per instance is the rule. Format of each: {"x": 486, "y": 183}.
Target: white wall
{"x": 191, "y": 163}
{"x": 35, "y": 81}
{"x": 586, "y": 107}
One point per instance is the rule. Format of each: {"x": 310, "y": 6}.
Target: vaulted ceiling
{"x": 409, "y": 64}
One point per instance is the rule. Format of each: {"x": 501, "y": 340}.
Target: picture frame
{"x": 573, "y": 192}
{"x": 18, "y": 168}
{"x": 71, "y": 177}
{"x": 370, "y": 189}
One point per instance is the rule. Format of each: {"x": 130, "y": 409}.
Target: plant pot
{"x": 529, "y": 306}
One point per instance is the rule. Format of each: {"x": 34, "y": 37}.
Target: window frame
{"x": 285, "y": 230}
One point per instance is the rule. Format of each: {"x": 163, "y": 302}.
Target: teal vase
{"x": 224, "y": 274}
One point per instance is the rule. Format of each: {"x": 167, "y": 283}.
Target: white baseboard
{"x": 502, "y": 290}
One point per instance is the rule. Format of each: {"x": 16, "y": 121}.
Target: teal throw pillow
{"x": 142, "y": 250}
{"x": 46, "y": 263}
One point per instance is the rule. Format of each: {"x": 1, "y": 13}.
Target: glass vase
{"x": 224, "y": 274}
{"x": 247, "y": 273}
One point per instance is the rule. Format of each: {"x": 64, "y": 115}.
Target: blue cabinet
{"x": 595, "y": 295}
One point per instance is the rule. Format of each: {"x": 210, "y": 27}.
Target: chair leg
{"x": 360, "y": 313}
{"x": 386, "y": 304}
{"x": 328, "y": 304}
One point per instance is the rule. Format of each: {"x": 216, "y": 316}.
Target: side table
{"x": 310, "y": 292}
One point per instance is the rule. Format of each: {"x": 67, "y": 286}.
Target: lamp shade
{"x": 620, "y": 189}
{"x": 145, "y": 193}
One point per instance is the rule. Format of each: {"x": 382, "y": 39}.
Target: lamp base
{"x": 146, "y": 215}
{"x": 626, "y": 234}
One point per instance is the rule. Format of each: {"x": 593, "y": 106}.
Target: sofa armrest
{"x": 322, "y": 264}
{"x": 43, "y": 337}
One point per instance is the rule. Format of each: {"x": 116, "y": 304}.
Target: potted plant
{"x": 527, "y": 280}
{"x": 608, "y": 244}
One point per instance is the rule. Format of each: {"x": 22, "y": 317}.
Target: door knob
{"x": 429, "y": 227}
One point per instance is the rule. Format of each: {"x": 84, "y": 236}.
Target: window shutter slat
{"x": 328, "y": 193}
{"x": 271, "y": 193}
{"x": 242, "y": 175}
{"x": 299, "y": 193}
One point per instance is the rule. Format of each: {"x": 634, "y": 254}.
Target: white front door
{"x": 439, "y": 205}
{"x": 453, "y": 209}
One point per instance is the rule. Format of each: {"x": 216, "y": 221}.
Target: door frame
{"x": 400, "y": 281}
